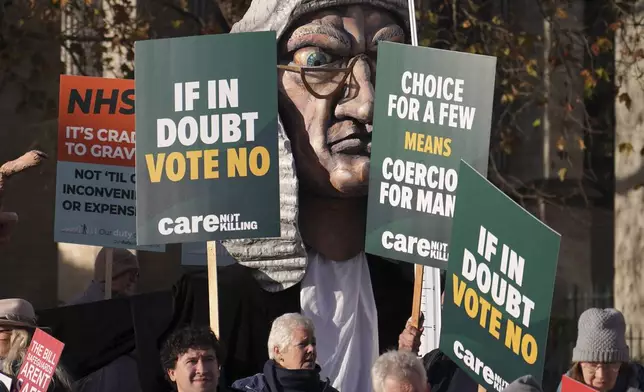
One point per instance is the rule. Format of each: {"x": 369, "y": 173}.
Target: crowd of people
{"x": 329, "y": 218}
{"x": 191, "y": 356}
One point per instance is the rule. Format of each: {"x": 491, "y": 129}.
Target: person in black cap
{"x": 443, "y": 374}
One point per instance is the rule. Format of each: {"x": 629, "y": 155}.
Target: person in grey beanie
{"x": 601, "y": 357}
{"x": 524, "y": 384}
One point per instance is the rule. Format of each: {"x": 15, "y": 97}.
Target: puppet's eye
{"x": 312, "y": 57}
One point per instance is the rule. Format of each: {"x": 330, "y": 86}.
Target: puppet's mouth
{"x": 352, "y": 146}
{"x": 350, "y": 138}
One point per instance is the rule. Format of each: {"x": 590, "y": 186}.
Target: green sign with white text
{"x": 206, "y": 148}
{"x": 433, "y": 107}
{"x": 499, "y": 285}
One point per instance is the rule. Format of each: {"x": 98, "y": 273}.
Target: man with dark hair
{"x": 191, "y": 358}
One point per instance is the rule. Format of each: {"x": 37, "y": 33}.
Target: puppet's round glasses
{"x": 321, "y": 82}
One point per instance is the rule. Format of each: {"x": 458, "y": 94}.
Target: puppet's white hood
{"x": 277, "y": 15}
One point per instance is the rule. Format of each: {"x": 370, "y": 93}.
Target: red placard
{"x": 39, "y": 363}
{"x": 570, "y": 385}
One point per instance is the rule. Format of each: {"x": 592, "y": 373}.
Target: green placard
{"x": 433, "y": 107}
{"x": 206, "y": 151}
{"x": 499, "y": 286}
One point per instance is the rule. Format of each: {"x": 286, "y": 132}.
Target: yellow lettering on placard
{"x": 471, "y": 302}
{"x": 459, "y": 290}
{"x": 193, "y": 157}
{"x": 490, "y": 317}
{"x": 495, "y": 323}
{"x": 240, "y": 160}
{"x": 211, "y": 164}
{"x": 237, "y": 159}
{"x": 176, "y": 165}
{"x": 155, "y": 166}
{"x": 256, "y": 154}
{"x": 175, "y": 174}
{"x": 513, "y": 337}
{"x": 519, "y": 343}
{"x": 428, "y": 144}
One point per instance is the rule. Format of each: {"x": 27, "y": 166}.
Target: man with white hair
{"x": 399, "y": 371}
{"x": 292, "y": 359}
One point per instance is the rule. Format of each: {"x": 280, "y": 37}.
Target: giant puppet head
{"x": 326, "y": 76}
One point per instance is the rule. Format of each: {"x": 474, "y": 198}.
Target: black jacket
{"x": 443, "y": 375}
{"x": 264, "y": 382}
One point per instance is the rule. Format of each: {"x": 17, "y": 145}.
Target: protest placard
{"x": 432, "y": 108}
{"x": 570, "y": 385}
{"x": 207, "y": 138}
{"x": 95, "y": 179}
{"x": 39, "y": 363}
{"x": 499, "y": 286}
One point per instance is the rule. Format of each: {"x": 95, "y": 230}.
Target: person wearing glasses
{"x": 326, "y": 90}
{"x": 601, "y": 357}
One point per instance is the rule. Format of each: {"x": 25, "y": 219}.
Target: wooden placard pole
{"x": 109, "y": 259}
{"x": 418, "y": 276}
{"x": 418, "y": 295}
{"x": 213, "y": 294}
{"x": 481, "y": 389}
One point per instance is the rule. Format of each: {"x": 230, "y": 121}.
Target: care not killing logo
{"x": 208, "y": 223}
